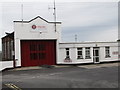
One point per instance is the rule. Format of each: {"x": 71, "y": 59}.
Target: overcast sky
{"x": 90, "y": 21}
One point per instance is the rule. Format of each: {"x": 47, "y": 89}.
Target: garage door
{"x": 38, "y": 52}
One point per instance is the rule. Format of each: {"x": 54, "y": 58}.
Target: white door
{"x": 96, "y": 54}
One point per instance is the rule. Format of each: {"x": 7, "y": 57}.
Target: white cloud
{"x": 87, "y": 14}
{"x": 106, "y": 35}
{"x": 110, "y": 34}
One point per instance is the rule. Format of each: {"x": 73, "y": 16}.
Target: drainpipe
{"x": 14, "y": 61}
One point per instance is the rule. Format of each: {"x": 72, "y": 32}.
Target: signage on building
{"x": 38, "y": 27}
{"x": 33, "y": 26}
{"x": 67, "y": 60}
{"x": 115, "y": 53}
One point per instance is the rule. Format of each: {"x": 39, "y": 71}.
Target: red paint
{"x": 41, "y": 27}
{"x": 38, "y": 52}
{"x": 33, "y": 26}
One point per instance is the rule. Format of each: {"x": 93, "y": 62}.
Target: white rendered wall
{"x": 73, "y": 52}
{"x": 6, "y": 64}
{"x": 113, "y": 57}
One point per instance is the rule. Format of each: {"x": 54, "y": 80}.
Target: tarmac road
{"x": 63, "y": 77}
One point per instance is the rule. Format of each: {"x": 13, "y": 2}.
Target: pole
{"x": 22, "y": 13}
{"x": 55, "y": 15}
{"x": 75, "y": 38}
{"x": 14, "y": 62}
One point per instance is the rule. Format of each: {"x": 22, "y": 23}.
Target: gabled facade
{"x": 36, "y": 42}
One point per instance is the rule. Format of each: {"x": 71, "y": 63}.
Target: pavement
{"x": 100, "y": 65}
{"x": 90, "y": 66}
{"x": 80, "y": 76}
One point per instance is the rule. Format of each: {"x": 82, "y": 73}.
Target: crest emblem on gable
{"x": 33, "y": 26}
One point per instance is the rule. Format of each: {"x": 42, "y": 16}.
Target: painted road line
{"x": 12, "y": 86}
{"x": 55, "y": 74}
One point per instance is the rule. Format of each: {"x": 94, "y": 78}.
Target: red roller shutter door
{"x": 38, "y": 52}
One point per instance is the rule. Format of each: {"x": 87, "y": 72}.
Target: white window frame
{"x": 107, "y": 52}
{"x": 87, "y": 53}
{"x": 79, "y": 56}
{"x": 67, "y": 53}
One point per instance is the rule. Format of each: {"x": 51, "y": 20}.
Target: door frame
{"x": 94, "y": 56}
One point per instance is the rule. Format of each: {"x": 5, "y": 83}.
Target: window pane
{"x": 79, "y": 52}
{"x": 96, "y": 53}
{"x": 79, "y": 48}
{"x": 67, "y": 48}
{"x": 42, "y": 56}
{"x": 41, "y": 47}
{"x": 67, "y": 53}
{"x": 33, "y": 56}
{"x": 79, "y": 57}
{"x": 87, "y": 52}
{"x": 107, "y": 51}
{"x": 87, "y": 48}
{"x": 32, "y": 47}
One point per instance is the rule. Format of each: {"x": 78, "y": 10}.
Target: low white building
{"x": 37, "y": 42}
{"x": 87, "y": 52}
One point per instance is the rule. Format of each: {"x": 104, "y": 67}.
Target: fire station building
{"x": 37, "y": 42}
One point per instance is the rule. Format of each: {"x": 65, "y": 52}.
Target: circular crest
{"x": 33, "y": 26}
